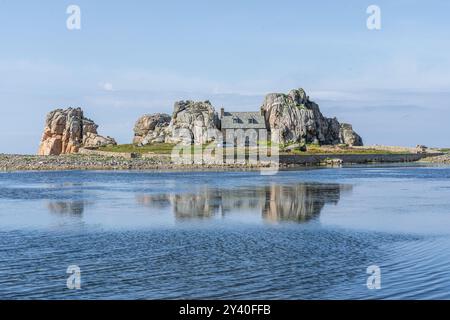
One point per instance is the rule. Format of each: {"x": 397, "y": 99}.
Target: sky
{"x": 138, "y": 57}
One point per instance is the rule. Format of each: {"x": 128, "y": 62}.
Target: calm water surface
{"x": 301, "y": 234}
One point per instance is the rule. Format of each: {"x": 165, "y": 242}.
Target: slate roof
{"x": 243, "y": 120}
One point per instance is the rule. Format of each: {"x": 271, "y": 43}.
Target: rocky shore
{"x": 74, "y": 162}
{"x": 96, "y": 162}
{"x": 163, "y": 162}
{"x": 445, "y": 159}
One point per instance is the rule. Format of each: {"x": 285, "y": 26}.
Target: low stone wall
{"x": 126, "y": 155}
{"x": 350, "y": 158}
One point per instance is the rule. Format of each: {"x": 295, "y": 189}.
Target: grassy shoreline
{"x": 164, "y": 162}
{"x": 158, "y": 157}
{"x": 311, "y": 149}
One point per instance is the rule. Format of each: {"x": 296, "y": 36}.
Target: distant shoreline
{"x": 10, "y": 162}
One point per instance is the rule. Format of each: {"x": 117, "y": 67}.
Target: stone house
{"x": 242, "y": 127}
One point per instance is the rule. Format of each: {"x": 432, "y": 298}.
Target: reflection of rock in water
{"x": 196, "y": 205}
{"x": 158, "y": 201}
{"x": 299, "y": 202}
{"x": 242, "y": 199}
{"x": 75, "y": 208}
{"x": 185, "y": 205}
{"x": 205, "y": 203}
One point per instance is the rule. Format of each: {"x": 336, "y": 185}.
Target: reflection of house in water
{"x": 75, "y": 208}
{"x": 299, "y": 202}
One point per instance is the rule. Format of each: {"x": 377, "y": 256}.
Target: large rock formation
{"x": 293, "y": 116}
{"x": 348, "y": 136}
{"x": 197, "y": 117}
{"x": 66, "y": 131}
{"x": 297, "y": 119}
{"x": 189, "y": 123}
{"x": 151, "y": 128}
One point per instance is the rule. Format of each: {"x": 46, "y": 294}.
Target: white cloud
{"x": 107, "y": 86}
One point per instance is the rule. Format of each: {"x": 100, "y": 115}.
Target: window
{"x": 251, "y": 120}
{"x": 235, "y": 120}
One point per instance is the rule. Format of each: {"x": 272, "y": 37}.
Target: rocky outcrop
{"x": 199, "y": 118}
{"x": 298, "y": 119}
{"x": 92, "y": 141}
{"x": 66, "y": 131}
{"x": 293, "y": 117}
{"x": 191, "y": 122}
{"x": 151, "y": 128}
{"x": 348, "y": 136}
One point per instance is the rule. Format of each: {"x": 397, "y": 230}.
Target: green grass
{"x": 317, "y": 150}
{"x": 166, "y": 148}
{"x": 158, "y": 148}
{"x": 445, "y": 150}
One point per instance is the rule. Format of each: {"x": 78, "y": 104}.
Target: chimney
{"x": 222, "y": 112}
{"x": 262, "y": 111}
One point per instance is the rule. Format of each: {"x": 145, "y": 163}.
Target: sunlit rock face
{"x": 297, "y": 203}
{"x": 191, "y": 122}
{"x": 66, "y": 131}
{"x": 348, "y": 136}
{"x": 151, "y": 128}
{"x": 298, "y": 119}
{"x": 195, "y": 118}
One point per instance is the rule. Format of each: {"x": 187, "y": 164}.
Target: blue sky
{"x": 137, "y": 57}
